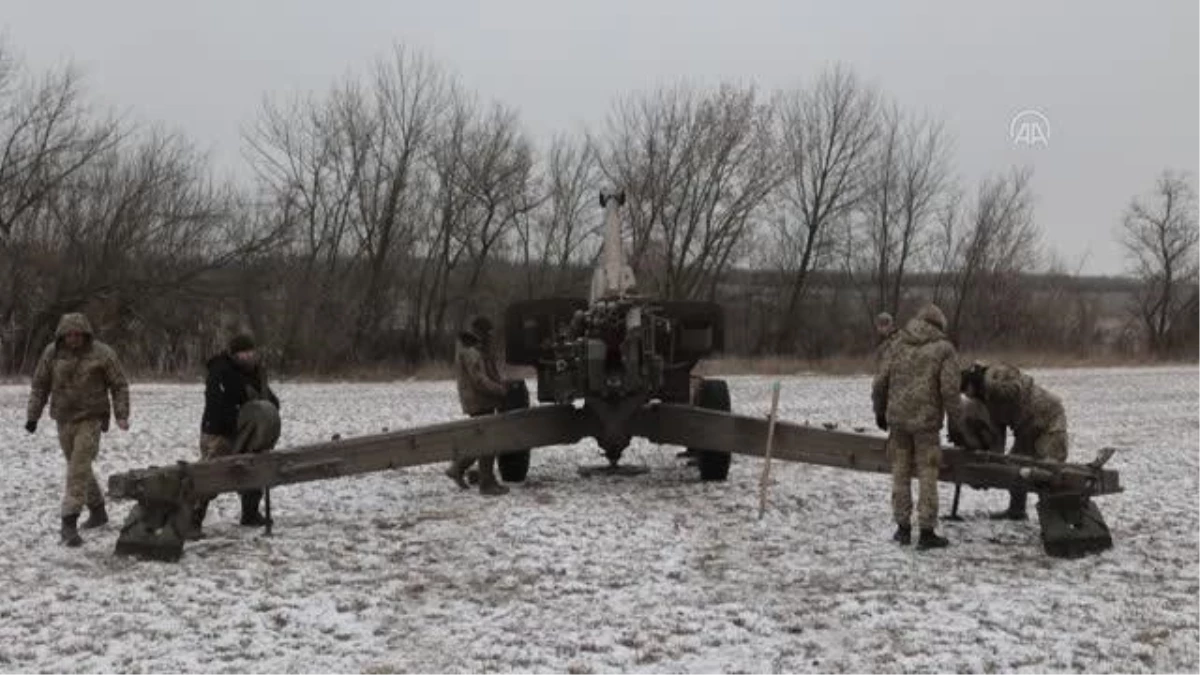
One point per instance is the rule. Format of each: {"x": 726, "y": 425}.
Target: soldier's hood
{"x": 931, "y": 313}
{"x": 919, "y": 332}
{"x": 74, "y": 321}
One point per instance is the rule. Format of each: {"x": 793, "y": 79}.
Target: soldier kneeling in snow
{"x": 1001, "y": 398}
{"x": 241, "y": 415}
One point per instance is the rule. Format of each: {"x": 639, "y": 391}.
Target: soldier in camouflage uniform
{"x": 481, "y": 391}
{"x": 77, "y": 374}
{"x": 913, "y": 390}
{"x": 1012, "y": 400}
{"x": 886, "y": 332}
{"x": 235, "y": 378}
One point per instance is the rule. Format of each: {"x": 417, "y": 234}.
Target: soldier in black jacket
{"x": 235, "y": 377}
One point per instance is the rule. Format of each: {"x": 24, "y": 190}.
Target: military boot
{"x": 930, "y": 539}
{"x": 1016, "y": 507}
{"x": 456, "y": 472}
{"x": 488, "y": 485}
{"x": 250, "y": 515}
{"x": 903, "y": 535}
{"x": 70, "y": 531}
{"x": 199, "y": 512}
{"x": 97, "y": 516}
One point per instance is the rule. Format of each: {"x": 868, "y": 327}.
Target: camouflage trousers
{"x": 921, "y": 453}
{"x": 80, "y": 442}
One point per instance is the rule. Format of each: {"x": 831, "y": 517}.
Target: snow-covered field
{"x": 400, "y": 571}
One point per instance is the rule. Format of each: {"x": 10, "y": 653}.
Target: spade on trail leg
{"x": 159, "y": 523}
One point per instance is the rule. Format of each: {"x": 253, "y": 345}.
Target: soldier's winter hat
{"x": 242, "y": 342}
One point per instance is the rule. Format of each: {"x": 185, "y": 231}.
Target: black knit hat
{"x": 481, "y": 325}
{"x": 241, "y": 342}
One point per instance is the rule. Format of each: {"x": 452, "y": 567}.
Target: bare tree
{"x": 410, "y": 97}
{"x": 697, "y": 168}
{"x": 826, "y": 134}
{"x": 499, "y": 182}
{"x": 997, "y": 246}
{"x": 1159, "y": 234}
{"x": 481, "y": 186}
{"x": 561, "y": 235}
{"x": 47, "y": 133}
{"x": 309, "y": 175}
{"x": 906, "y": 181}
{"x": 348, "y": 172}
{"x": 135, "y": 231}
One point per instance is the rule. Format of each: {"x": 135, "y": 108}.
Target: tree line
{"x": 386, "y": 210}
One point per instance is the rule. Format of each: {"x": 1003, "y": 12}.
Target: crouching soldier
{"x": 1036, "y": 417}
{"x": 915, "y": 388}
{"x": 480, "y": 392}
{"x": 241, "y": 415}
{"x": 77, "y": 374}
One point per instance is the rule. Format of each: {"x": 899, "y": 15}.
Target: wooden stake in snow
{"x": 766, "y": 472}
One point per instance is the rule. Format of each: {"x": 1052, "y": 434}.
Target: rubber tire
{"x": 713, "y": 464}
{"x": 514, "y": 466}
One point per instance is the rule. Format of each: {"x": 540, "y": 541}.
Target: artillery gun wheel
{"x": 713, "y": 464}
{"x": 514, "y": 466}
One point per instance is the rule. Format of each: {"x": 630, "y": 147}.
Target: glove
{"x": 31, "y": 426}
{"x": 881, "y": 422}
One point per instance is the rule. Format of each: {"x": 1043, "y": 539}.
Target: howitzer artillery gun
{"x": 629, "y": 359}
{"x": 619, "y": 350}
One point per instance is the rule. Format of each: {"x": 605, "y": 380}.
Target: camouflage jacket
{"x": 77, "y": 382}
{"x": 480, "y": 389}
{"x": 1016, "y": 402}
{"x": 918, "y": 380}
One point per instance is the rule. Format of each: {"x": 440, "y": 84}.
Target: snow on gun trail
{"x": 399, "y": 571}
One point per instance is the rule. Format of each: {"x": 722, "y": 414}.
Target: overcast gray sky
{"x": 1117, "y": 81}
